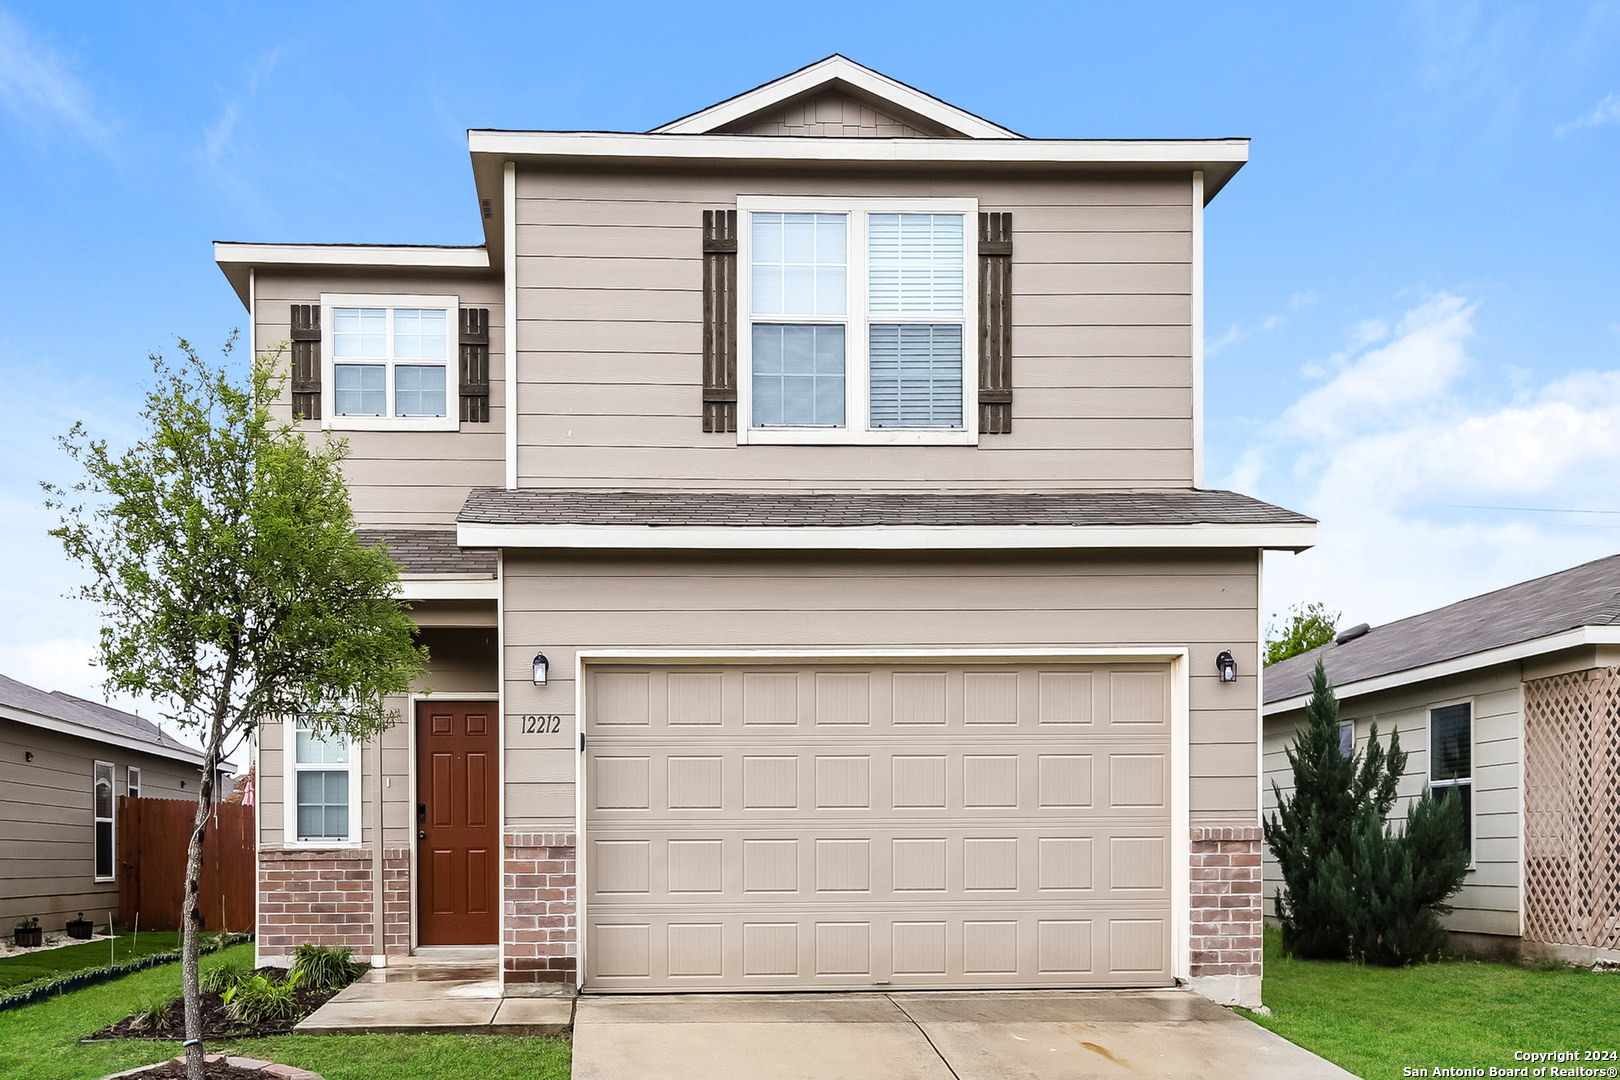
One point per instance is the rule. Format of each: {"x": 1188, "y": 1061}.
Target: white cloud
{"x": 1236, "y": 333}
{"x": 1393, "y": 451}
{"x": 1606, "y": 111}
{"x": 38, "y": 88}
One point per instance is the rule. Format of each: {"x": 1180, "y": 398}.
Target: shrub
{"x": 224, "y": 973}
{"x": 325, "y": 967}
{"x": 257, "y": 999}
{"x": 152, "y": 1012}
{"x": 1352, "y": 886}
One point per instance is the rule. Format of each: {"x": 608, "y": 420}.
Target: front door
{"x": 458, "y": 834}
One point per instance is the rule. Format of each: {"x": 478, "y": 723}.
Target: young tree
{"x": 1351, "y": 885}
{"x": 1310, "y": 627}
{"x": 232, "y": 586}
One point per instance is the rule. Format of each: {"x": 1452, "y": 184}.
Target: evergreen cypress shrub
{"x": 1352, "y": 886}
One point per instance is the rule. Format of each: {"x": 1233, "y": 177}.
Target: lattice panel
{"x": 1572, "y": 808}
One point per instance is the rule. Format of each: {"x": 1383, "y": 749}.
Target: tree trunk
{"x": 190, "y": 917}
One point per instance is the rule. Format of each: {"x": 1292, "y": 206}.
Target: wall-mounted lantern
{"x": 541, "y": 664}
{"x": 1226, "y": 666}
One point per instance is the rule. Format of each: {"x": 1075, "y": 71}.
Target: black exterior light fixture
{"x": 1226, "y": 666}
{"x": 541, "y": 664}
{"x": 28, "y": 755}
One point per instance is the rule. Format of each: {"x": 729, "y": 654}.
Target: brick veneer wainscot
{"x": 1225, "y": 938}
{"x": 542, "y": 931}
{"x": 323, "y": 896}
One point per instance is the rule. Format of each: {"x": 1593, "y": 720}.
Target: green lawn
{"x": 39, "y": 1042}
{"x": 54, "y": 963}
{"x": 1376, "y": 1021}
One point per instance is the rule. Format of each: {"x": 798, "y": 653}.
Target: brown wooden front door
{"x": 457, "y": 826}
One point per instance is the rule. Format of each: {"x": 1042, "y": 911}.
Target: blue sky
{"x": 1412, "y": 306}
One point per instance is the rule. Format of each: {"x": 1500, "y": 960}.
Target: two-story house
{"x": 802, "y": 504}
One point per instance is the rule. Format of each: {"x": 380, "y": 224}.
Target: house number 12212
{"x": 541, "y": 725}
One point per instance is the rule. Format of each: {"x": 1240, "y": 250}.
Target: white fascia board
{"x": 1184, "y": 153}
{"x": 67, "y": 727}
{"x": 823, "y": 73}
{"x": 1521, "y": 650}
{"x": 458, "y": 258}
{"x": 1286, "y": 537}
{"x": 448, "y": 587}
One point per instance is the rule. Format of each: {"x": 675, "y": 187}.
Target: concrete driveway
{"x": 1037, "y": 1035}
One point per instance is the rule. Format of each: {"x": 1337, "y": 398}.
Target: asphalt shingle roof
{"x": 430, "y": 551}
{"x": 574, "y": 506}
{"x": 89, "y": 714}
{"x": 1585, "y": 595}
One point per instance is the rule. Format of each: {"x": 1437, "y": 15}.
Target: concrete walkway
{"x": 437, "y": 998}
{"x": 1041, "y": 1035}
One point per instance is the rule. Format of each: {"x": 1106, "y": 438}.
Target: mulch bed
{"x": 213, "y": 1070}
{"x": 217, "y": 1023}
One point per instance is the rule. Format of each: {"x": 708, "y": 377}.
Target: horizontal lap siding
{"x": 563, "y": 603}
{"x": 1489, "y": 901}
{"x": 404, "y": 479}
{"x": 609, "y": 317}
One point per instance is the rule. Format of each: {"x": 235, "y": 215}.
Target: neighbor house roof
{"x": 1573, "y": 607}
{"x": 572, "y": 517}
{"x": 71, "y": 715}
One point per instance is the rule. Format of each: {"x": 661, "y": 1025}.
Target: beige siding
{"x": 404, "y": 479}
{"x": 1489, "y": 901}
{"x": 609, "y": 305}
{"x": 562, "y": 603}
{"x": 831, "y": 113}
{"x": 47, "y": 822}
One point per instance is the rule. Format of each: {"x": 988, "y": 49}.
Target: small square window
{"x": 388, "y": 359}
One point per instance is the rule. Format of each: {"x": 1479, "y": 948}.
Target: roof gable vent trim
{"x": 1351, "y": 633}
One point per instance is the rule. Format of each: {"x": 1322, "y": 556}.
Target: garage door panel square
{"x": 844, "y": 948}
{"x": 990, "y": 697}
{"x": 1136, "y": 862}
{"x": 1065, "y": 862}
{"x": 1137, "y": 946}
{"x": 843, "y": 782}
{"x": 1136, "y": 780}
{"x": 695, "y": 866}
{"x": 990, "y": 948}
{"x": 770, "y": 783}
{"x": 694, "y": 783}
{"x": 843, "y": 698}
{"x": 919, "y": 697}
{"x": 622, "y": 951}
{"x": 990, "y": 863}
{"x": 990, "y": 780}
{"x": 919, "y": 782}
{"x": 843, "y": 865}
{"x": 1064, "y": 946}
{"x": 696, "y": 949}
{"x": 770, "y": 697}
{"x": 622, "y": 783}
{"x": 919, "y": 864}
{"x": 919, "y": 948}
{"x": 621, "y": 866}
{"x": 1065, "y": 697}
{"x": 770, "y": 949}
{"x": 695, "y": 698}
{"x": 1065, "y": 780}
{"x": 621, "y": 699}
{"x": 1137, "y": 698}
{"x": 770, "y": 866}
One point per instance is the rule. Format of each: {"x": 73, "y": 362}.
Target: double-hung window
{"x": 861, "y": 323}
{"x": 390, "y": 361}
{"x": 323, "y": 784}
{"x": 102, "y": 796}
{"x": 133, "y": 782}
{"x": 1451, "y": 760}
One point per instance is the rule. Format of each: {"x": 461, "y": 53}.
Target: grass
{"x": 1455, "y": 1014}
{"x": 16, "y": 971}
{"x": 39, "y": 1042}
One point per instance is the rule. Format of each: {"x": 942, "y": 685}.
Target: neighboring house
{"x": 802, "y": 506}
{"x": 1512, "y": 698}
{"x": 64, "y": 762}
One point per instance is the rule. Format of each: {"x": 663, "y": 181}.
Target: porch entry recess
{"x": 854, "y": 826}
{"x": 457, "y": 823}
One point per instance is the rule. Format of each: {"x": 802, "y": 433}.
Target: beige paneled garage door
{"x": 858, "y": 826}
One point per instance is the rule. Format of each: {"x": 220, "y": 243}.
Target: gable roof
{"x": 92, "y": 720}
{"x": 923, "y": 112}
{"x": 1534, "y": 615}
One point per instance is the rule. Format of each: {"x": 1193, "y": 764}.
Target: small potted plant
{"x": 81, "y": 928}
{"x": 29, "y": 934}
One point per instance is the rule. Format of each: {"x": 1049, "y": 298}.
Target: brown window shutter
{"x": 995, "y": 324}
{"x": 475, "y": 365}
{"x": 306, "y": 361}
{"x": 719, "y": 320}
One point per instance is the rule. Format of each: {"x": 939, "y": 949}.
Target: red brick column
{"x": 1224, "y": 939}
{"x": 397, "y": 897}
{"x": 318, "y": 896}
{"x": 542, "y": 931}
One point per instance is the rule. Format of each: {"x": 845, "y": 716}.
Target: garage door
{"x": 852, "y": 827}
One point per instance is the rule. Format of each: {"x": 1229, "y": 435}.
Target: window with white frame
{"x": 860, "y": 320}
{"x": 390, "y": 361}
{"x": 102, "y": 794}
{"x": 1451, "y": 759}
{"x": 1347, "y": 738}
{"x": 323, "y": 787}
{"x": 133, "y": 782}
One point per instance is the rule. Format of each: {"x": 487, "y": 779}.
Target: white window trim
{"x": 289, "y": 789}
{"x": 132, "y": 781}
{"x": 112, "y": 782}
{"x": 450, "y": 421}
{"x": 857, "y": 427}
{"x": 1428, "y": 771}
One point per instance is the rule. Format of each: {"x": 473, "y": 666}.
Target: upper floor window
{"x": 860, "y": 320}
{"x": 389, "y": 360}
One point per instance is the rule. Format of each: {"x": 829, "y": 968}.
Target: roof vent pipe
{"x": 1351, "y": 634}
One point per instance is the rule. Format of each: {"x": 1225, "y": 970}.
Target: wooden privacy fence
{"x": 152, "y": 838}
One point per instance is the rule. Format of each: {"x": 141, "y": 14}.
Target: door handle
{"x": 421, "y": 836}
